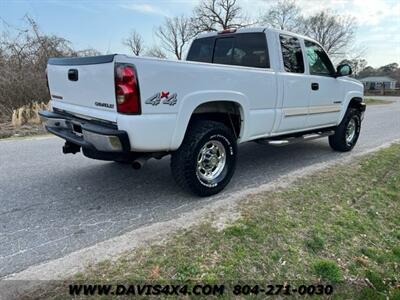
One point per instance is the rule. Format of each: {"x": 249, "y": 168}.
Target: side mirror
{"x": 343, "y": 70}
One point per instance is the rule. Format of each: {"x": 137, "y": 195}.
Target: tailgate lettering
{"x": 106, "y": 105}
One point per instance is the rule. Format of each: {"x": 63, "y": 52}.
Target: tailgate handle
{"x": 73, "y": 74}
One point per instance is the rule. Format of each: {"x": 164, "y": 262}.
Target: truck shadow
{"x": 257, "y": 164}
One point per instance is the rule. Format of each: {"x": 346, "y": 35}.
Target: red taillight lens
{"x": 126, "y": 89}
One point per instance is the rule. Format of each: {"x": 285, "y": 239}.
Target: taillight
{"x": 126, "y": 89}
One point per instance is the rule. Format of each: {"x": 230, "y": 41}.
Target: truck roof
{"x": 255, "y": 29}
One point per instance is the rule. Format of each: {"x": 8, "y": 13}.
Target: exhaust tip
{"x": 70, "y": 148}
{"x": 139, "y": 162}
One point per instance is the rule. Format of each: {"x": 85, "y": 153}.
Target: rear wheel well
{"x": 226, "y": 112}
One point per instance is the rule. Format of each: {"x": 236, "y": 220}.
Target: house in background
{"x": 378, "y": 83}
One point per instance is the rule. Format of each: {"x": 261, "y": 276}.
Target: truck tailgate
{"x": 83, "y": 82}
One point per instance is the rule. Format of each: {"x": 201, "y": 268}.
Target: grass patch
{"x": 328, "y": 270}
{"x": 372, "y": 101}
{"x": 338, "y": 226}
{"x": 315, "y": 242}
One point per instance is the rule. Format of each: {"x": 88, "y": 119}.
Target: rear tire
{"x": 348, "y": 131}
{"x": 205, "y": 162}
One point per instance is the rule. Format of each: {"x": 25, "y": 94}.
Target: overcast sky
{"x": 102, "y": 24}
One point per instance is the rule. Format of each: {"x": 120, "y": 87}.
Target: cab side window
{"x": 318, "y": 61}
{"x": 251, "y": 50}
{"x": 291, "y": 54}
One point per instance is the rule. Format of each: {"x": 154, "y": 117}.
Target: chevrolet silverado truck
{"x": 253, "y": 84}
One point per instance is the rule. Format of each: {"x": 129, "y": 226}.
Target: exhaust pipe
{"x": 71, "y": 148}
{"x": 139, "y": 163}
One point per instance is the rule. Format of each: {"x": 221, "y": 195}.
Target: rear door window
{"x": 291, "y": 53}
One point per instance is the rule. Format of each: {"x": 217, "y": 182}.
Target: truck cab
{"x": 309, "y": 92}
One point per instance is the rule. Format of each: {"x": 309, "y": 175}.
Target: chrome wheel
{"x": 211, "y": 161}
{"x": 351, "y": 130}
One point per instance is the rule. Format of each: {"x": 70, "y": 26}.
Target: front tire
{"x": 205, "y": 162}
{"x": 347, "y": 133}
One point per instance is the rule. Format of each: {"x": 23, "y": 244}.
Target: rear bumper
{"x": 92, "y": 136}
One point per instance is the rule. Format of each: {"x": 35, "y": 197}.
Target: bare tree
{"x": 155, "y": 51}
{"x": 334, "y": 32}
{"x": 284, "y": 15}
{"x": 389, "y": 68}
{"x": 24, "y": 53}
{"x": 134, "y": 42}
{"x": 214, "y": 15}
{"x": 87, "y": 52}
{"x": 357, "y": 65}
{"x": 175, "y": 34}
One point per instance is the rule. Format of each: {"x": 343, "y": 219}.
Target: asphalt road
{"x": 52, "y": 204}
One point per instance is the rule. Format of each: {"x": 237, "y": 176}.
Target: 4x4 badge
{"x": 168, "y": 99}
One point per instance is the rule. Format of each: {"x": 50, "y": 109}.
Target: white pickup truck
{"x": 235, "y": 86}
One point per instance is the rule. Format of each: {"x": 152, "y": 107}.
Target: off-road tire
{"x": 338, "y": 141}
{"x": 184, "y": 160}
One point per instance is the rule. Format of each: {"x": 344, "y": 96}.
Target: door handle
{"x": 314, "y": 86}
{"x": 73, "y": 74}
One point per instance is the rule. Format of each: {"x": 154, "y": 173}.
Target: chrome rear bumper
{"x": 87, "y": 134}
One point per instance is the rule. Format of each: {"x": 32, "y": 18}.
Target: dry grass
{"x": 7, "y": 130}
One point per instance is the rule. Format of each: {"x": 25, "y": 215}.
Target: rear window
{"x": 223, "y": 51}
{"x": 246, "y": 49}
{"x": 201, "y": 50}
{"x": 291, "y": 54}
